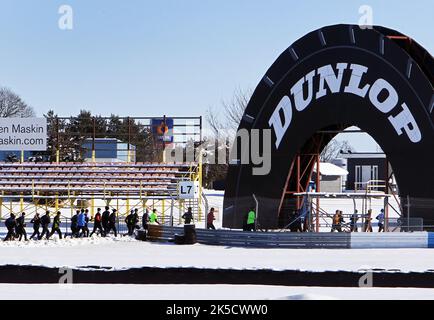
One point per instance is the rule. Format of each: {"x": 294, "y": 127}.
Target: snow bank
{"x": 124, "y": 253}
{"x": 202, "y": 292}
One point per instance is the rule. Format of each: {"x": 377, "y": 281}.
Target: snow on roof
{"x": 329, "y": 169}
{"x": 363, "y": 155}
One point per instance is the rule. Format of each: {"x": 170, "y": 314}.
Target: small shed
{"x": 109, "y": 150}
{"x": 331, "y": 177}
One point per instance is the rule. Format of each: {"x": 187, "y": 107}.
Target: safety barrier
{"x": 325, "y": 240}
{"x": 256, "y": 239}
{"x": 300, "y": 240}
{"x": 389, "y": 240}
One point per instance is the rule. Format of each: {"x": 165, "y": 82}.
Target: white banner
{"x": 188, "y": 190}
{"x": 23, "y": 134}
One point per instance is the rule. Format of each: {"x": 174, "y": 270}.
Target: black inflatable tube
{"x": 403, "y": 128}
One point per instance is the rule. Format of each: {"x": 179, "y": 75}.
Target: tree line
{"x": 68, "y": 135}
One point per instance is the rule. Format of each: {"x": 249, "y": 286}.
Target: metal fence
{"x": 256, "y": 239}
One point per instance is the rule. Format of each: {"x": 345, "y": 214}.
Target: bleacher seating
{"x": 118, "y": 179}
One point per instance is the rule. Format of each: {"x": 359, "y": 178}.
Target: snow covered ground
{"x": 124, "y": 253}
{"x": 202, "y": 292}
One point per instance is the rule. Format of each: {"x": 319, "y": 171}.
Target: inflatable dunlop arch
{"x": 339, "y": 76}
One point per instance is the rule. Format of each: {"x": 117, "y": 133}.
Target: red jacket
{"x": 210, "y": 217}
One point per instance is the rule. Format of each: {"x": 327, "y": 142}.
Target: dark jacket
{"x": 56, "y": 222}
{"x": 188, "y": 216}
{"x": 105, "y": 217}
{"x": 21, "y": 223}
{"x": 74, "y": 220}
{"x": 36, "y": 221}
{"x": 10, "y": 223}
{"x": 145, "y": 220}
{"x": 134, "y": 219}
{"x": 45, "y": 221}
{"x": 112, "y": 218}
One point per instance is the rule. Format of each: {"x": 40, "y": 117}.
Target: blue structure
{"x": 4, "y": 155}
{"x": 109, "y": 150}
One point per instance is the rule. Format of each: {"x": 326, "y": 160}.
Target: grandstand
{"x": 75, "y": 175}
{"x": 64, "y": 183}
{"x": 92, "y": 179}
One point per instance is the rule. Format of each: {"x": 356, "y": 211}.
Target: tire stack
{"x": 189, "y": 236}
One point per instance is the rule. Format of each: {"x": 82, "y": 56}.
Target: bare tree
{"x": 224, "y": 123}
{"x": 233, "y": 111}
{"x": 11, "y": 105}
{"x": 214, "y": 121}
{"x": 334, "y": 148}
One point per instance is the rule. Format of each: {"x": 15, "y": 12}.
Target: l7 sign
{"x": 188, "y": 190}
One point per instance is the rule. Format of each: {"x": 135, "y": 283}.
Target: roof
{"x": 343, "y": 195}
{"x": 363, "y": 155}
{"x": 329, "y": 169}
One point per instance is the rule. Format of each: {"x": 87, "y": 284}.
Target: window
{"x": 374, "y": 176}
{"x": 358, "y": 178}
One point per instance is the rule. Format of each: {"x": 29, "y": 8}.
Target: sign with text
{"x": 188, "y": 190}
{"x": 23, "y": 134}
{"x": 162, "y": 128}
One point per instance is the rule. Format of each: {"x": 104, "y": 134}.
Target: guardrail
{"x": 256, "y": 239}
{"x": 344, "y": 240}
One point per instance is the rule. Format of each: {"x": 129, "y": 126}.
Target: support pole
{"x": 318, "y": 189}
{"x": 298, "y": 182}
{"x": 171, "y": 212}
{"x": 92, "y": 208}
{"x": 408, "y": 213}
{"x": 143, "y": 205}
{"x": 21, "y": 203}
{"x": 386, "y": 200}
{"x": 386, "y": 212}
{"x": 72, "y": 206}
{"x": 129, "y": 141}
{"x": 36, "y": 205}
{"x": 22, "y": 156}
{"x": 33, "y": 189}
{"x": 164, "y": 142}
{"x": 57, "y": 141}
{"x": 256, "y": 211}
{"x": 162, "y": 210}
{"x": 56, "y": 203}
{"x": 93, "y": 143}
{"x": 181, "y": 210}
{"x": 1, "y": 207}
{"x": 200, "y": 186}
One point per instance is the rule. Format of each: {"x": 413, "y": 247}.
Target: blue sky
{"x": 146, "y": 58}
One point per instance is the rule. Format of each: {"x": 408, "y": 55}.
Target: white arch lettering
{"x": 402, "y": 122}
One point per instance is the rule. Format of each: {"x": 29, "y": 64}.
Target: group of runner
{"x": 104, "y": 223}
{"x": 338, "y": 221}
{"x": 17, "y": 227}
